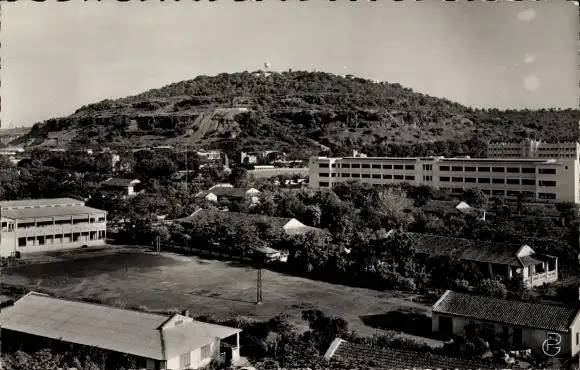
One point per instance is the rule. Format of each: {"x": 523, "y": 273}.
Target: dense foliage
{"x": 355, "y": 218}
{"x": 304, "y": 112}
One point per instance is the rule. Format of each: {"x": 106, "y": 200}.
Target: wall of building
{"x": 575, "y": 335}
{"x": 534, "y": 149}
{"x": 531, "y": 337}
{"x": 51, "y": 237}
{"x": 550, "y": 181}
{"x": 196, "y": 360}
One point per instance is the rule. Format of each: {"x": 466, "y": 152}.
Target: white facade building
{"x": 534, "y": 149}
{"x": 42, "y": 225}
{"x": 548, "y": 180}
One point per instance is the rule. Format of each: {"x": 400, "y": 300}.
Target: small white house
{"x": 221, "y": 191}
{"x": 124, "y": 187}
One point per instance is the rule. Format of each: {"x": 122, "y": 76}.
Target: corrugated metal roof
{"x": 125, "y": 331}
{"x": 234, "y": 217}
{"x": 88, "y": 324}
{"x": 119, "y": 182}
{"x": 40, "y": 202}
{"x": 526, "y": 314}
{"x": 466, "y": 249}
{"x": 442, "y": 206}
{"x": 224, "y": 191}
{"x": 391, "y": 358}
{"x": 26, "y": 213}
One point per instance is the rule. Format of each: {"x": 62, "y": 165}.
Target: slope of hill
{"x": 8, "y": 135}
{"x": 293, "y": 111}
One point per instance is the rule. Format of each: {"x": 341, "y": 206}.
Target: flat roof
{"x": 382, "y": 158}
{"x": 40, "y": 202}
{"x": 443, "y": 159}
{"x": 19, "y": 214}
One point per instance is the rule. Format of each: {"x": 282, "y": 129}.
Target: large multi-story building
{"x": 40, "y": 225}
{"x": 534, "y": 149}
{"x": 533, "y": 179}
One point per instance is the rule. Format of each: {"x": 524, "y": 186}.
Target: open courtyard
{"x": 128, "y": 277}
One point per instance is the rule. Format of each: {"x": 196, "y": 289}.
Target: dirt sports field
{"x": 128, "y": 277}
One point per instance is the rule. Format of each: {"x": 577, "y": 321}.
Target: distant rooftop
{"x": 506, "y": 311}
{"x": 473, "y": 250}
{"x": 119, "y": 182}
{"x": 28, "y": 213}
{"x": 391, "y": 358}
{"x": 224, "y": 191}
{"x": 236, "y": 218}
{"x": 46, "y": 202}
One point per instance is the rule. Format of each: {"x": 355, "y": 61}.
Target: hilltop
{"x": 292, "y": 111}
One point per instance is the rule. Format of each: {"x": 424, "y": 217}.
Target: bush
{"x": 491, "y": 287}
{"x": 461, "y": 285}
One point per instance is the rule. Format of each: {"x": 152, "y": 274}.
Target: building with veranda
{"x": 41, "y": 225}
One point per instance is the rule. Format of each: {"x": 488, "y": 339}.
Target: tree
{"x": 394, "y": 207}
{"x": 475, "y": 197}
{"x": 4, "y": 162}
{"x": 238, "y": 177}
{"x": 324, "y": 328}
{"x": 491, "y": 287}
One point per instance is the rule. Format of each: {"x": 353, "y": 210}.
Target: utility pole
{"x": 259, "y": 288}
{"x": 186, "y": 170}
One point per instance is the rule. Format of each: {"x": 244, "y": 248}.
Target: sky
{"x": 57, "y": 57}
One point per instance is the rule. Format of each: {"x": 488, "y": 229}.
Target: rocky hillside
{"x": 292, "y": 111}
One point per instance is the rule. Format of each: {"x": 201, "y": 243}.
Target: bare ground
{"x": 127, "y": 277}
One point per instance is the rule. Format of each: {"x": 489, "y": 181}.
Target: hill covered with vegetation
{"x": 299, "y": 112}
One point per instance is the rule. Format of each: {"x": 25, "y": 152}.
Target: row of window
{"x": 370, "y": 176}
{"x": 509, "y": 193}
{"x": 544, "y": 171}
{"x": 60, "y": 238}
{"x": 408, "y": 167}
{"x": 496, "y": 192}
{"x": 473, "y": 180}
{"x": 485, "y": 180}
{"x": 27, "y": 225}
{"x": 429, "y": 167}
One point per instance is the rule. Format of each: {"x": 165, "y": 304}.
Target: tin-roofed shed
{"x": 154, "y": 341}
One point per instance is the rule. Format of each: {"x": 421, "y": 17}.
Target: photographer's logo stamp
{"x": 551, "y": 346}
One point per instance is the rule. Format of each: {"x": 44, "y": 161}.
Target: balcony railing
{"x": 545, "y": 276}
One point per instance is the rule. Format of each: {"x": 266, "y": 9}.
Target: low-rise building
{"x": 120, "y": 187}
{"x": 41, "y": 225}
{"x": 452, "y": 207}
{"x": 525, "y": 324}
{"x": 498, "y": 259}
{"x": 209, "y": 155}
{"x": 154, "y": 341}
{"x": 11, "y": 151}
{"x": 290, "y": 226}
{"x": 226, "y": 191}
